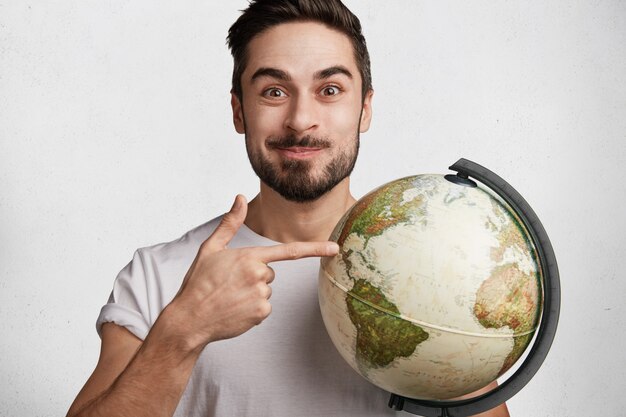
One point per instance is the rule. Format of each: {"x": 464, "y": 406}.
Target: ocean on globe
{"x": 436, "y": 290}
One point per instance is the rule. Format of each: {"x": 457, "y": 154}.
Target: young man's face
{"x": 302, "y": 109}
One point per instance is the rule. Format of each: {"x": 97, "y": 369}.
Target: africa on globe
{"x": 436, "y": 290}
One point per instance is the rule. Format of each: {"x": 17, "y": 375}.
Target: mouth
{"x": 299, "y": 152}
{"x": 292, "y": 148}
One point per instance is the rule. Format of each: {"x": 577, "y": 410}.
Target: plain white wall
{"x": 116, "y": 133}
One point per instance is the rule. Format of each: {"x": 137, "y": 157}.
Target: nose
{"x": 302, "y": 115}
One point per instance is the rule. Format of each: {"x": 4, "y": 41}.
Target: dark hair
{"x": 265, "y": 14}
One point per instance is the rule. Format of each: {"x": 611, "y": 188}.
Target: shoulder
{"x": 156, "y": 271}
{"x": 185, "y": 248}
{"x": 182, "y": 247}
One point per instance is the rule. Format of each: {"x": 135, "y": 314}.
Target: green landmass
{"x": 379, "y": 210}
{"x": 382, "y": 336}
{"x": 512, "y": 234}
{"x": 509, "y": 297}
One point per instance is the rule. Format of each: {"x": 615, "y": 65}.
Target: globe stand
{"x": 551, "y": 305}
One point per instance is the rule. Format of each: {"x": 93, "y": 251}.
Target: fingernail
{"x": 332, "y": 248}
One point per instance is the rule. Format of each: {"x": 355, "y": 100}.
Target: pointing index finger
{"x": 297, "y": 250}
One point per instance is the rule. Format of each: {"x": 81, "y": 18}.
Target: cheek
{"x": 263, "y": 120}
{"x": 343, "y": 119}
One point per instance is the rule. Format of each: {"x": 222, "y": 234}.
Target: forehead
{"x": 300, "y": 49}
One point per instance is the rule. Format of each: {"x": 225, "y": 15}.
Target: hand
{"x": 226, "y": 291}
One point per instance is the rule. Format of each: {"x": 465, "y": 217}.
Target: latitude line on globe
{"x": 418, "y": 322}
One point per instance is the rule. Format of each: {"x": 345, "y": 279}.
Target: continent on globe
{"x": 436, "y": 290}
{"x": 379, "y": 210}
{"x": 508, "y": 298}
{"x": 382, "y": 336}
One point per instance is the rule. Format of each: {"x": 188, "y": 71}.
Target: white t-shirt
{"x": 285, "y": 367}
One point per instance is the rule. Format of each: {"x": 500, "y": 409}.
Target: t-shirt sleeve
{"x": 128, "y": 304}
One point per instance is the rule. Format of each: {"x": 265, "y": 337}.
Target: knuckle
{"x": 262, "y": 310}
{"x": 261, "y": 290}
{"x": 265, "y": 309}
{"x": 257, "y": 274}
{"x": 293, "y": 251}
{"x": 318, "y": 250}
{"x": 230, "y": 221}
{"x": 227, "y": 220}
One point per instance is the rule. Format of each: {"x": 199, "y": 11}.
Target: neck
{"x": 275, "y": 218}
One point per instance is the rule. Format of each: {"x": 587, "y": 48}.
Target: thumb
{"x": 230, "y": 224}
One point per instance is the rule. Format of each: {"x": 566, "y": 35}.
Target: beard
{"x": 294, "y": 179}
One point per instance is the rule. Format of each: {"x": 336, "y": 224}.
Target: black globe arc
{"x": 550, "y": 309}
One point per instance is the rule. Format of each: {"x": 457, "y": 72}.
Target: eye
{"x": 274, "y": 92}
{"x": 331, "y": 90}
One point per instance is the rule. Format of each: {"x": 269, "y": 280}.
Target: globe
{"x": 436, "y": 290}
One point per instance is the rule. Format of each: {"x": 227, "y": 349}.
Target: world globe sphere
{"x": 436, "y": 290}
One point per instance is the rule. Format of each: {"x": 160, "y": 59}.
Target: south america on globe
{"x": 436, "y": 290}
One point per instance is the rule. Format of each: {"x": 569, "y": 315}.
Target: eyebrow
{"x": 329, "y": 72}
{"x": 283, "y": 76}
{"x": 272, "y": 73}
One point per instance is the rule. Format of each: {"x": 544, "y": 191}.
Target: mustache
{"x": 291, "y": 141}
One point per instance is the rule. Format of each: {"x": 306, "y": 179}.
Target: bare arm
{"x": 499, "y": 411}
{"x": 135, "y": 378}
{"x": 224, "y": 293}
{"x": 116, "y": 351}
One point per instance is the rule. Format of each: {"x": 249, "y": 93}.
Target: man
{"x": 187, "y": 330}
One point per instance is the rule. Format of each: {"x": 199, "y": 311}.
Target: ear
{"x": 366, "y": 113}
{"x": 237, "y": 113}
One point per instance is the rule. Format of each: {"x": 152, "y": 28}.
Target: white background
{"x": 116, "y": 133}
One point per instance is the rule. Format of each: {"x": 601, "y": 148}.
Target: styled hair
{"x": 262, "y": 15}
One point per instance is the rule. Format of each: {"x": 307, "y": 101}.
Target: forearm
{"x": 153, "y": 381}
{"x": 499, "y": 411}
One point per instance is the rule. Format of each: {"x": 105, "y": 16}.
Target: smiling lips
{"x": 298, "y": 152}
